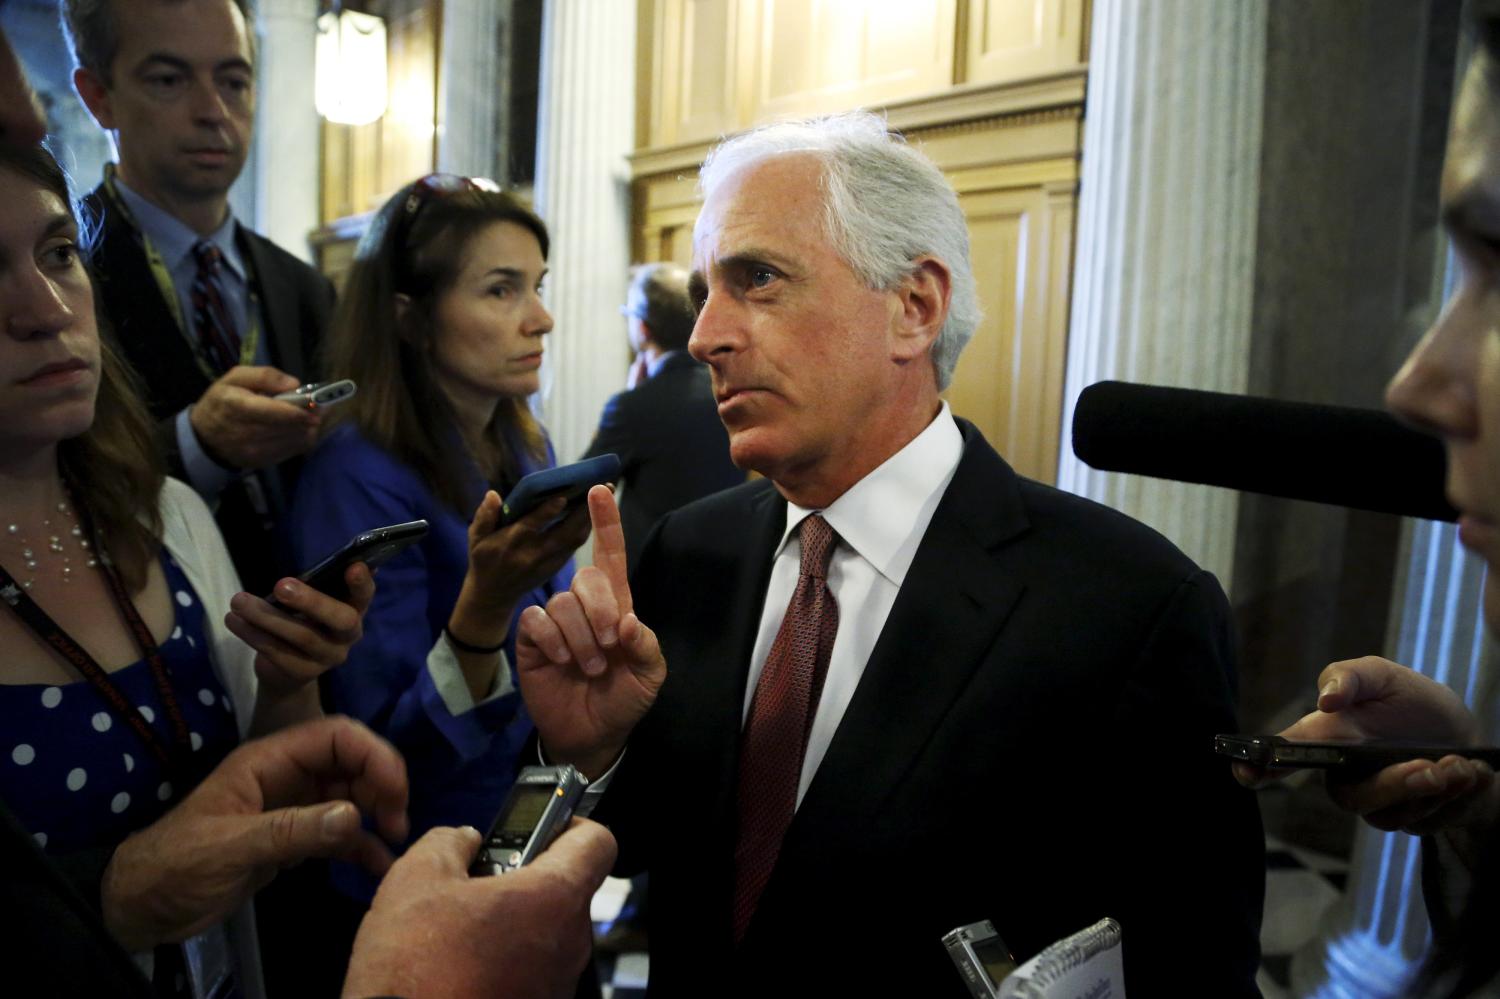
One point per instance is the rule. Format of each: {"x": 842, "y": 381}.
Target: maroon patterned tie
{"x": 221, "y": 344}
{"x": 781, "y": 715}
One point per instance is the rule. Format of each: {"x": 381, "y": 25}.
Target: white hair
{"x": 885, "y": 204}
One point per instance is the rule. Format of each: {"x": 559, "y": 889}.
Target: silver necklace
{"x": 63, "y": 541}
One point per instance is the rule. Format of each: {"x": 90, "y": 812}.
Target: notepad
{"x": 1086, "y": 965}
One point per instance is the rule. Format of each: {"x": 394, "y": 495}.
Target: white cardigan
{"x": 192, "y": 538}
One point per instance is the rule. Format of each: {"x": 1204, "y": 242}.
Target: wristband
{"x": 462, "y": 646}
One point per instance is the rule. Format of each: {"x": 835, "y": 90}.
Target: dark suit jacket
{"x": 296, "y": 304}
{"x": 1030, "y": 743}
{"x": 672, "y": 447}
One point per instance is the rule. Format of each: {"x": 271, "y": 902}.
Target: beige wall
{"x": 992, "y": 90}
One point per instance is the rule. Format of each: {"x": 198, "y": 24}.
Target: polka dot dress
{"x": 76, "y": 775}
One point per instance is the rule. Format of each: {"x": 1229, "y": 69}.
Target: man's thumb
{"x": 288, "y": 835}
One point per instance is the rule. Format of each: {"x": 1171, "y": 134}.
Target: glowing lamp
{"x": 350, "y": 86}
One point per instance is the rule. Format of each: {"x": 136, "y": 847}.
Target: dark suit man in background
{"x": 665, "y": 427}
{"x": 909, "y": 689}
{"x": 214, "y": 318}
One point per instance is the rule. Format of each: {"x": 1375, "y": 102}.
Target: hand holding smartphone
{"x": 1348, "y": 758}
{"x": 374, "y": 548}
{"x": 573, "y": 481}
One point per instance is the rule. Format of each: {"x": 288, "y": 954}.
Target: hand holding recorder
{"x": 1375, "y": 699}
{"x": 434, "y": 930}
{"x": 589, "y": 669}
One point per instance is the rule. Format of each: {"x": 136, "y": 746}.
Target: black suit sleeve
{"x": 1193, "y": 875}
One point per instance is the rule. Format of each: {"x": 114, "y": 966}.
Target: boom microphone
{"x": 1361, "y": 458}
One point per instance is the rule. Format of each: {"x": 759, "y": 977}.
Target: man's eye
{"x": 164, "y": 83}
{"x": 761, "y": 276}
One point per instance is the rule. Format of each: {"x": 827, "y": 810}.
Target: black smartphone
{"x": 1354, "y": 757}
{"x": 573, "y": 481}
{"x": 374, "y": 548}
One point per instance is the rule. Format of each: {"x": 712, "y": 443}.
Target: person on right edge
{"x": 1449, "y": 385}
{"x": 664, "y": 426}
{"x": 907, "y": 687}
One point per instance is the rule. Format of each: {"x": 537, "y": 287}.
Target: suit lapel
{"x": 951, "y": 608}
{"x": 278, "y": 305}
{"x": 139, "y": 318}
{"x": 764, "y": 526}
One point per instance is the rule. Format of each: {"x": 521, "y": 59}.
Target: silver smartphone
{"x": 981, "y": 957}
{"x": 319, "y": 395}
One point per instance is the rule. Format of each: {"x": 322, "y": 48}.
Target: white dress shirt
{"x": 880, "y": 522}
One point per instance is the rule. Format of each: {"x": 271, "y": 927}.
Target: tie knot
{"x": 817, "y": 546}
{"x": 207, "y": 255}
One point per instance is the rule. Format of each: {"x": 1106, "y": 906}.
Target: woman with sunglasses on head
{"x": 122, "y": 680}
{"x": 441, "y": 326}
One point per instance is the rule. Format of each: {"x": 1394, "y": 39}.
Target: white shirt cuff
{"x": 453, "y": 688}
{"x": 595, "y": 788}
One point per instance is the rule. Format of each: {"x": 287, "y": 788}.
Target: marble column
{"x": 585, "y": 129}
{"x": 1374, "y": 938}
{"x": 471, "y": 86}
{"x": 1164, "y": 271}
{"x": 286, "y": 173}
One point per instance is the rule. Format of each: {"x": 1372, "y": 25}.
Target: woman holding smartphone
{"x": 442, "y": 328}
{"x": 122, "y": 680}
{"x": 1450, "y": 385}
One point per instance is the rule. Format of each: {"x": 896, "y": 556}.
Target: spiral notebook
{"x": 1085, "y": 965}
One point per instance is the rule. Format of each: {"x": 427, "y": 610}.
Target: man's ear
{"x": 95, "y": 96}
{"x": 922, "y": 301}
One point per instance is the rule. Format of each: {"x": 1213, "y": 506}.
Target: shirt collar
{"x": 655, "y": 364}
{"x": 883, "y": 516}
{"x": 172, "y": 238}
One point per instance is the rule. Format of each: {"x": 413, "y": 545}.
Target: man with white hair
{"x": 899, "y": 673}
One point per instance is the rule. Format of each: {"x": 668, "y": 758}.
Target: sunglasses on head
{"x": 430, "y": 188}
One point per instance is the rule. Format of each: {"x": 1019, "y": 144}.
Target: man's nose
{"x": 208, "y": 105}
{"x": 717, "y": 331}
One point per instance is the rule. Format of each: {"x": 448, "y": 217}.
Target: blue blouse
{"x": 77, "y": 776}
{"x": 459, "y": 766}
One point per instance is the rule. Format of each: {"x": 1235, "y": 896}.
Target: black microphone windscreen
{"x": 1360, "y": 458}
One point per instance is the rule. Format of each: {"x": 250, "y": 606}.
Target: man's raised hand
{"x": 589, "y": 669}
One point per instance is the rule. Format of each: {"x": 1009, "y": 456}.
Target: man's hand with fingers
{"x": 435, "y": 931}
{"x": 589, "y": 669}
{"x": 1374, "y": 698}
{"x": 271, "y": 803}
{"x": 242, "y": 427}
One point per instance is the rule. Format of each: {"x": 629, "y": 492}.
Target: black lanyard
{"x": 50, "y": 632}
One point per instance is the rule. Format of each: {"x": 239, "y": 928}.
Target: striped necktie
{"x": 211, "y": 320}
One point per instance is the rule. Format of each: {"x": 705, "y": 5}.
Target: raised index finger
{"x": 609, "y": 545}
